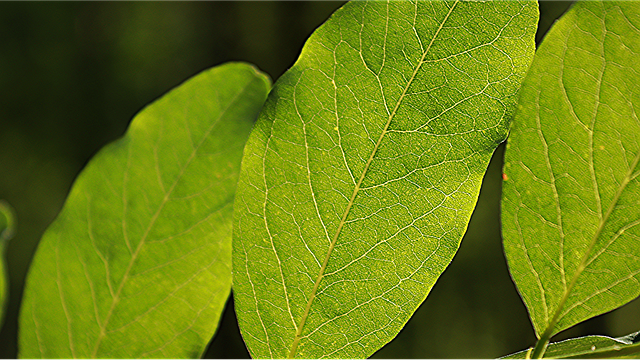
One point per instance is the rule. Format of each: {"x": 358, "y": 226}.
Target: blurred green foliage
{"x": 73, "y": 75}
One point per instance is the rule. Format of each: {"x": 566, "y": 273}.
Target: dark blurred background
{"x": 72, "y": 75}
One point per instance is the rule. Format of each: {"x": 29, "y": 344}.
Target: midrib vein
{"x": 134, "y": 256}
{"x": 305, "y": 315}
{"x": 585, "y": 259}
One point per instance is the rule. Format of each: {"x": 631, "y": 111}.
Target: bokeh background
{"x": 72, "y": 75}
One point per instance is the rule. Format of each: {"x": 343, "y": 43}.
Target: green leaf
{"x": 590, "y": 347}
{"x": 571, "y": 201}
{"x": 359, "y": 179}
{"x": 7, "y": 230}
{"x": 138, "y": 262}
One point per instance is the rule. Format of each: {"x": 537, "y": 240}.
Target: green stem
{"x": 541, "y": 345}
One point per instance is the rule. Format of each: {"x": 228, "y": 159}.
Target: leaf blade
{"x": 7, "y": 230}
{"x": 572, "y": 164}
{"x": 590, "y": 347}
{"x": 137, "y": 264}
{"x": 342, "y": 144}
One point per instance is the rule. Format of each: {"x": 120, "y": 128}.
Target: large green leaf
{"x": 590, "y": 347}
{"x": 138, "y": 263}
{"x": 7, "y": 229}
{"x": 571, "y": 201}
{"x": 364, "y": 167}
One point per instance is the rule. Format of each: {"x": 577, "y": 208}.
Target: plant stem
{"x": 541, "y": 345}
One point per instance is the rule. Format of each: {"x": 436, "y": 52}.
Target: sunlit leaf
{"x": 365, "y": 165}
{"x": 571, "y": 201}
{"x": 7, "y": 230}
{"x": 138, "y": 263}
{"x": 590, "y": 347}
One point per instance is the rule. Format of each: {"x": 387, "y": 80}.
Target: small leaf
{"x": 590, "y": 347}
{"x": 7, "y": 230}
{"x": 571, "y": 204}
{"x": 138, "y": 263}
{"x": 359, "y": 179}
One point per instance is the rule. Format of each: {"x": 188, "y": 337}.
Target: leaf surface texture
{"x": 138, "y": 263}
{"x": 359, "y": 179}
{"x": 571, "y": 201}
